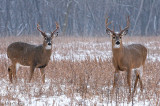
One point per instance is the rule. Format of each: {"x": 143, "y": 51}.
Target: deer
{"x": 33, "y": 56}
{"x": 126, "y": 57}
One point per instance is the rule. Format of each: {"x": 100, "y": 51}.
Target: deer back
{"x": 136, "y": 54}
{"x": 20, "y": 52}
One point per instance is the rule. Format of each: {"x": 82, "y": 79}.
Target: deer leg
{"x": 13, "y": 69}
{"x": 129, "y": 84}
{"x": 140, "y": 77}
{"x": 43, "y": 74}
{"x": 140, "y": 80}
{"x": 31, "y": 72}
{"x": 135, "y": 84}
{"x": 129, "y": 80}
{"x": 116, "y": 76}
{"x": 10, "y": 73}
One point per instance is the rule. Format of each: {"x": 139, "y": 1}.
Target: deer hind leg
{"x": 31, "y": 72}
{"x": 141, "y": 84}
{"x": 42, "y": 74}
{"x": 140, "y": 76}
{"x": 135, "y": 84}
{"x": 138, "y": 72}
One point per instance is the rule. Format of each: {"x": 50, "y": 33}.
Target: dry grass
{"x": 88, "y": 78}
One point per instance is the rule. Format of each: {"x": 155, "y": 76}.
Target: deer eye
{"x": 45, "y": 38}
{"x": 114, "y": 37}
{"x": 120, "y": 37}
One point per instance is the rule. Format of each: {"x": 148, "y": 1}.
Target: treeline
{"x": 78, "y": 17}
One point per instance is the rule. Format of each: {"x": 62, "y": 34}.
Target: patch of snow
{"x": 154, "y": 57}
{"x": 4, "y": 56}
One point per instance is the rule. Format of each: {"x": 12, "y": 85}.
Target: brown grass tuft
{"x": 88, "y": 78}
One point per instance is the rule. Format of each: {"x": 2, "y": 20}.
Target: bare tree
{"x": 78, "y": 18}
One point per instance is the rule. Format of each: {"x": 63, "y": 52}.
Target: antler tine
{"x": 107, "y": 24}
{"x": 128, "y": 24}
{"x": 128, "y": 21}
{"x": 113, "y": 27}
{"x": 120, "y": 28}
{"x": 57, "y": 27}
{"x": 39, "y": 29}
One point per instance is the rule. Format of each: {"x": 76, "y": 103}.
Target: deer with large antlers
{"x": 35, "y": 56}
{"x": 126, "y": 58}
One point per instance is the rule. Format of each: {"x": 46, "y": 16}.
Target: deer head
{"x": 117, "y": 36}
{"x": 48, "y": 37}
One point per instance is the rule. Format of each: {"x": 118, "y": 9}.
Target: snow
{"x": 154, "y": 57}
{"x": 78, "y": 53}
{"x": 82, "y": 55}
{"x": 62, "y": 100}
{"x": 59, "y": 100}
{"x": 3, "y": 56}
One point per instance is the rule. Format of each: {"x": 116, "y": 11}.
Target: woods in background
{"x": 78, "y": 17}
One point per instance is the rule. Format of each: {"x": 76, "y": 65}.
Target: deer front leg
{"x": 42, "y": 74}
{"x": 129, "y": 84}
{"x": 31, "y": 72}
{"x": 116, "y": 76}
{"x": 129, "y": 80}
{"x": 10, "y": 74}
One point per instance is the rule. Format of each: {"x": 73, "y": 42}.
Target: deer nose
{"x": 49, "y": 43}
{"x": 117, "y": 42}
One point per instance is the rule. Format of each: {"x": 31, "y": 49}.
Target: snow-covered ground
{"x": 19, "y": 97}
{"x": 81, "y": 51}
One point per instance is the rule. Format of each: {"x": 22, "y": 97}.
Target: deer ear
{"x": 124, "y": 32}
{"x": 109, "y": 32}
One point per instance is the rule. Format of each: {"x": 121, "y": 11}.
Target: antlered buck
{"x": 34, "y": 56}
{"x": 126, "y": 58}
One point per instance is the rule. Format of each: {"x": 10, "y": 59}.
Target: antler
{"x": 120, "y": 28}
{"x": 107, "y": 24}
{"x": 57, "y": 27}
{"x": 39, "y": 29}
{"x": 128, "y": 24}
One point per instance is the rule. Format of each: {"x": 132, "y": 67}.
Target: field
{"x": 80, "y": 73}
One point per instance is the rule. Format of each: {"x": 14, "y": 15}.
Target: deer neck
{"x": 118, "y": 52}
{"x": 47, "y": 51}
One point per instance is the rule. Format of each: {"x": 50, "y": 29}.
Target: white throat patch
{"x": 51, "y": 57}
{"x": 48, "y": 47}
{"x": 116, "y": 46}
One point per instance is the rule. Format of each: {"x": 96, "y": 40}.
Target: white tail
{"x": 126, "y": 58}
{"x": 31, "y": 55}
